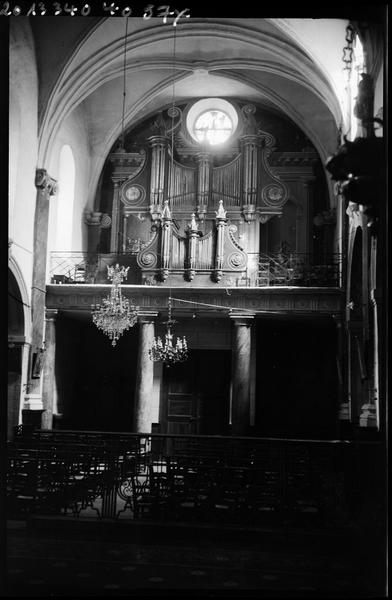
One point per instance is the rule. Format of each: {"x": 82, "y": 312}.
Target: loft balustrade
{"x": 262, "y": 269}
{"x": 88, "y": 268}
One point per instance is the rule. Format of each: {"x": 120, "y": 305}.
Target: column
{"x": 193, "y": 234}
{"x": 124, "y": 234}
{"x": 49, "y": 375}
{"x": 93, "y": 222}
{"x": 165, "y": 241}
{"x": 241, "y": 348}
{"x": 340, "y": 232}
{"x": 341, "y": 366}
{"x": 221, "y": 222}
{"x": 144, "y": 413}
{"x": 370, "y": 411}
{"x": 46, "y": 187}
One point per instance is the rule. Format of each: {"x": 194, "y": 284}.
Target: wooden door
{"x": 196, "y": 394}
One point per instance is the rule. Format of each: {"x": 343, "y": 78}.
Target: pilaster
{"x": 46, "y": 187}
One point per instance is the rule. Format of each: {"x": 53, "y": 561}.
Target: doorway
{"x": 196, "y": 394}
{"x": 95, "y": 382}
{"x": 297, "y": 383}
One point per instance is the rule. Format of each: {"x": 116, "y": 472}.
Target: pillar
{"x": 165, "y": 241}
{"x": 340, "y": 233}
{"x": 241, "y": 348}
{"x": 144, "y": 413}
{"x": 193, "y": 234}
{"x": 341, "y": 356}
{"x": 49, "y": 375}
{"x": 93, "y": 222}
{"x": 46, "y": 187}
{"x": 221, "y": 222}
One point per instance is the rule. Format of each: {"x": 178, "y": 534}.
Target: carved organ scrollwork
{"x": 172, "y": 216}
{"x": 215, "y": 252}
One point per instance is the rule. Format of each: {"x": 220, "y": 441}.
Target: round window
{"x": 213, "y": 126}
{"x": 212, "y": 121}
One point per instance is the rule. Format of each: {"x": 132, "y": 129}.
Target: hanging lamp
{"x": 167, "y": 351}
{"x": 114, "y": 315}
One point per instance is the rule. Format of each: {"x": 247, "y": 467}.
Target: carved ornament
{"x": 43, "y": 181}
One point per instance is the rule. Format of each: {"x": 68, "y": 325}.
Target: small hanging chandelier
{"x": 115, "y": 315}
{"x": 167, "y": 352}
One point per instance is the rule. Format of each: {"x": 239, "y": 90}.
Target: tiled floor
{"x": 50, "y": 563}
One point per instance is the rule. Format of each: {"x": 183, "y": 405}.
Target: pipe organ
{"x": 192, "y": 210}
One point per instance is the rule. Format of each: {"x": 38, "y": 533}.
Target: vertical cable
{"x": 124, "y": 83}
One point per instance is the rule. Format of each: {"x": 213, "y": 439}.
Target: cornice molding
{"x": 151, "y": 299}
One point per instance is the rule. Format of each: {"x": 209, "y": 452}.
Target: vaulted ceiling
{"x": 282, "y": 63}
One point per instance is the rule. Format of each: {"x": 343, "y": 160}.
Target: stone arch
{"x": 87, "y": 70}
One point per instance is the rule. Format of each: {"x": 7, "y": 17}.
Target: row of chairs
{"x": 40, "y": 480}
{"x": 172, "y": 489}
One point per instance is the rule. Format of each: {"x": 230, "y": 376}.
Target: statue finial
{"x": 193, "y": 224}
{"x": 166, "y": 214}
{"x": 221, "y": 212}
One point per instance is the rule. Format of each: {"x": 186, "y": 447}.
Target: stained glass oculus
{"x": 213, "y": 126}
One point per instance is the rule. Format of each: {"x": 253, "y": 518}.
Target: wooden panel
{"x": 179, "y": 405}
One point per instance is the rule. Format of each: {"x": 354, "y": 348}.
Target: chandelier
{"x": 114, "y": 315}
{"x": 167, "y": 351}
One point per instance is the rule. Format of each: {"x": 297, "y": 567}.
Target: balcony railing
{"x": 212, "y": 479}
{"x": 263, "y": 270}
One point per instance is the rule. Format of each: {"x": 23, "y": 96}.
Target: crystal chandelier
{"x": 115, "y": 315}
{"x": 166, "y": 351}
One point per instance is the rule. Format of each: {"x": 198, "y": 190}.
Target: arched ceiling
{"x": 264, "y": 60}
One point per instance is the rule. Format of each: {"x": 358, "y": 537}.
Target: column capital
{"x": 51, "y": 314}
{"x": 43, "y": 181}
{"x": 203, "y": 156}
{"x": 241, "y": 319}
{"x": 145, "y": 317}
{"x": 251, "y": 138}
{"x": 157, "y": 140}
{"x": 92, "y": 218}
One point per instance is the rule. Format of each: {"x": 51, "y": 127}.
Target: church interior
{"x": 197, "y": 303}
